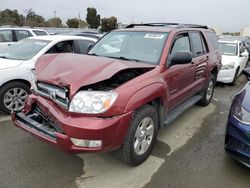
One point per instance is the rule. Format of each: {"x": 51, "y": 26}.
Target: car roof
{"x": 62, "y": 37}
{"x": 228, "y": 40}
{"x": 21, "y": 28}
{"x": 164, "y": 27}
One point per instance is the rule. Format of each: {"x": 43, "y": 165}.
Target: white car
{"x": 17, "y": 61}
{"x": 9, "y": 36}
{"x": 234, "y": 60}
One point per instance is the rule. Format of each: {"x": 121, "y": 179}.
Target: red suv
{"x": 133, "y": 82}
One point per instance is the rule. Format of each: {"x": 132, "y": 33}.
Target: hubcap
{"x": 14, "y": 99}
{"x": 143, "y": 135}
{"x": 210, "y": 90}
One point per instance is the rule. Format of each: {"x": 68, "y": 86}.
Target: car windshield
{"x": 228, "y": 48}
{"x": 24, "y": 49}
{"x": 137, "y": 46}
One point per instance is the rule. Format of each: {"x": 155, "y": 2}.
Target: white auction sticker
{"x": 153, "y": 36}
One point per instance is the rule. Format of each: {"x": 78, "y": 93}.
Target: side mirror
{"x": 246, "y": 72}
{"x": 181, "y": 57}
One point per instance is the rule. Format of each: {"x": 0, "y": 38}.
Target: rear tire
{"x": 208, "y": 92}
{"x": 141, "y": 136}
{"x": 13, "y": 96}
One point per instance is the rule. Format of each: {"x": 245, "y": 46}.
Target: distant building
{"x": 245, "y": 31}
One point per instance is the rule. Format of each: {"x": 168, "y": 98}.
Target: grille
{"x": 58, "y": 94}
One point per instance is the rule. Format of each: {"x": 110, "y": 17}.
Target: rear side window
{"x": 21, "y": 34}
{"x": 6, "y": 36}
{"x": 62, "y": 47}
{"x": 213, "y": 39}
{"x": 198, "y": 44}
{"x": 84, "y": 45}
{"x": 40, "y": 33}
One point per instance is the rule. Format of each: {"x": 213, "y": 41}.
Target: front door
{"x": 179, "y": 78}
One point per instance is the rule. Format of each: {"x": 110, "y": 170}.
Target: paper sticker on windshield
{"x": 41, "y": 43}
{"x": 153, "y": 36}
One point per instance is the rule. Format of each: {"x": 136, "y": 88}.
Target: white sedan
{"x": 234, "y": 60}
{"x": 17, "y": 61}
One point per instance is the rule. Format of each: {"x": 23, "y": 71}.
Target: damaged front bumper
{"x": 45, "y": 120}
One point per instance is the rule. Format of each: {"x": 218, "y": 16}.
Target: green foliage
{"x": 93, "y": 19}
{"x": 108, "y": 24}
{"x": 11, "y": 17}
{"x": 33, "y": 19}
{"x": 54, "y": 22}
{"x": 73, "y": 23}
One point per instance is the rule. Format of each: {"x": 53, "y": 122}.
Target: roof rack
{"x": 176, "y": 25}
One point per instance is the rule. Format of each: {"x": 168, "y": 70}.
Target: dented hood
{"x": 75, "y": 71}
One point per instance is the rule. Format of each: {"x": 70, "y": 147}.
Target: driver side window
{"x": 181, "y": 43}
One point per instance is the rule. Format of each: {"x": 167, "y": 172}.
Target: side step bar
{"x": 176, "y": 112}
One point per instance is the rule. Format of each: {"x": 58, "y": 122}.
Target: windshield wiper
{"x": 125, "y": 58}
{"x": 93, "y": 54}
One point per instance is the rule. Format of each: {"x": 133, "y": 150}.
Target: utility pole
{"x": 54, "y": 13}
{"x": 79, "y": 20}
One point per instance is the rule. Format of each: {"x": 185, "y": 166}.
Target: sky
{"x": 228, "y": 15}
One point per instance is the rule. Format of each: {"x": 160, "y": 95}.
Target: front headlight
{"x": 92, "y": 102}
{"x": 228, "y": 66}
{"x": 241, "y": 114}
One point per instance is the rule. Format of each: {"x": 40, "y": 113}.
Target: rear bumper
{"x": 111, "y": 131}
{"x": 226, "y": 76}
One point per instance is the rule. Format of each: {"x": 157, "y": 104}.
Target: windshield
{"x": 24, "y": 49}
{"x": 228, "y": 48}
{"x": 138, "y": 46}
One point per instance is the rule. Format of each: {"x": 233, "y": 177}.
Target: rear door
{"x": 179, "y": 78}
{"x": 200, "y": 59}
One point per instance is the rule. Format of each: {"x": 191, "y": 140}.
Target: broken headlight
{"x": 92, "y": 102}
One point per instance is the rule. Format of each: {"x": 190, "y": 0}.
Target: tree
{"x": 93, "y": 19}
{"x": 10, "y": 17}
{"x": 33, "y": 19}
{"x": 54, "y": 22}
{"x": 73, "y": 23}
{"x": 108, "y": 24}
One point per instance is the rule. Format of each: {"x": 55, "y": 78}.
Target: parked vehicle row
{"x": 9, "y": 36}
{"x": 17, "y": 61}
{"x": 132, "y": 82}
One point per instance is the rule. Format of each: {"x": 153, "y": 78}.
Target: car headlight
{"x": 241, "y": 114}
{"x": 228, "y": 66}
{"x": 92, "y": 102}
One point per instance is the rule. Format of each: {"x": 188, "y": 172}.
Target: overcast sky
{"x": 229, "y": 15}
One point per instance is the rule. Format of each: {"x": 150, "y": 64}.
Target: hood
{"x": 75, "y": 71}
{"x": 228, "y": 59}
{"x": 9, "y": 63}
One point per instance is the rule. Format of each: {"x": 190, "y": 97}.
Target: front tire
{"x": 141, "y": 136}
{"x": 208, "y": 92}
{"x": 13, "y": 96}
